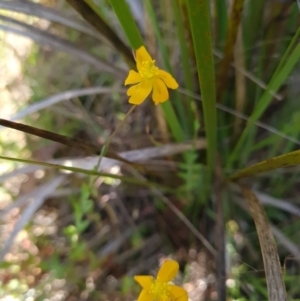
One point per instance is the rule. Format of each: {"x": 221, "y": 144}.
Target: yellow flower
{"x": 148, "y": 78}
{"x": 160, "y": 289}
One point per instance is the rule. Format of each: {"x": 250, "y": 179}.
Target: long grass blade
{"x": 190, "y": 106}
{"x": 233, "y": 26}
{"x": 71, "y": 142}
{"x": 221, "y": 21}
{"x": 275, "y": 283}
{"x": 128, "y": 24}
{"x": 184, "y": 51}
{"x": 252, "y": 22}
{"x": 199, "y": 16}
{"x": 289, "y": 159}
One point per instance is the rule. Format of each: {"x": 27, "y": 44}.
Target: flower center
{"x": 148, "y": 70}
{"x": 160, "y": 290}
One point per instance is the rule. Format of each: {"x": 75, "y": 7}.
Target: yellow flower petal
{"x": 139, "y": 92}
{"x": 145, "y": 296}
{"x": 178, "y": 293}
{"x": 144, "y": 281}
{"x": 168, "y": 79}
{"x": 133, "y": 78}
{"x": 142, "y": 55}
{"x": 160, "y": 91}
{"x": 168, "y": 271}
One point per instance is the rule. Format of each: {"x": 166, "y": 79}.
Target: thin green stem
{"x": 109, "y": 139}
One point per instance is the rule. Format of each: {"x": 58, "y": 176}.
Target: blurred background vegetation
{"x": 82, "y": 234}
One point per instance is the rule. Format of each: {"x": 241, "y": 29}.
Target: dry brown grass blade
{"x": 289, "y": 159}
{"x": 102, "y": 27}
{"x": 275, "y": 283}
{"x": 68, "y": 141}
{"x": 233, "y": 26}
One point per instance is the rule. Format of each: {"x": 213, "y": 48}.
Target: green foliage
{"x": 184, "y": 36}
{"x": 192, "y": 173}
{"x": 81, "y": 207}
{"x": 78, "y": 249}
{"x": 283, "y": 70}
{"x": 127, "y": 284}
{"x": 53, "y": 264}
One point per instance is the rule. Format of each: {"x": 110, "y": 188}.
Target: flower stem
{"x": 109, "y": 139}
